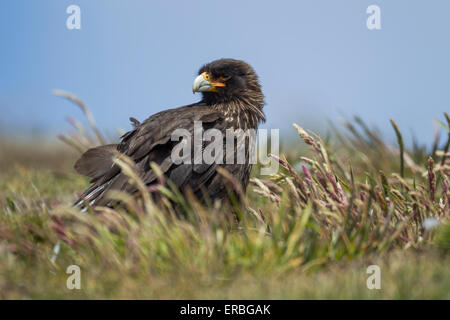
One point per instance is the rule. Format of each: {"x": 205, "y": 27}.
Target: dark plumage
{"x": 232, "y": 98}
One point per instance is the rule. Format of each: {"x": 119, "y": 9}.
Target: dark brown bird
{"x": 231, "y": 99}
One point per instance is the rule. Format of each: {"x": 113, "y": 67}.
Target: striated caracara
{"x": 231, "y": 99}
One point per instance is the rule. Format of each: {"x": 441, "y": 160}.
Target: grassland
{"x": 310, "y": 231}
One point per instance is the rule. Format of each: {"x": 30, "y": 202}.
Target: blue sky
{"x": 316, "y": 60}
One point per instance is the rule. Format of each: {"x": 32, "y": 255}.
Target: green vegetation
{"x": 310, "y": 231}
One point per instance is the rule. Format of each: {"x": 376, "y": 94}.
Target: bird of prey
{"x": 231, "y": 99}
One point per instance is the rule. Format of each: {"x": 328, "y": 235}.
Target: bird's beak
{"x": 204, "y": 83}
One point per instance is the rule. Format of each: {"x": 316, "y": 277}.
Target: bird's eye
{"x": 224, "y": 77}
{"x": 206, "y": 76}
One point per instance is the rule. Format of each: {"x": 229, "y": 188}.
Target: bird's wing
{"x": 95, "y": 162}
{"x": 150, "y": 141}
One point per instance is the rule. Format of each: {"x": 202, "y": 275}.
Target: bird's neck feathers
{"x": 243, "y": 111}
{"x": 242, "y": 114}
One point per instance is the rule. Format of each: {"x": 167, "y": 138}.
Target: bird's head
{"x": 227, "y": 80}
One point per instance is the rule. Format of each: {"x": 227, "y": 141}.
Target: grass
{"x": 310, "y": 231}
